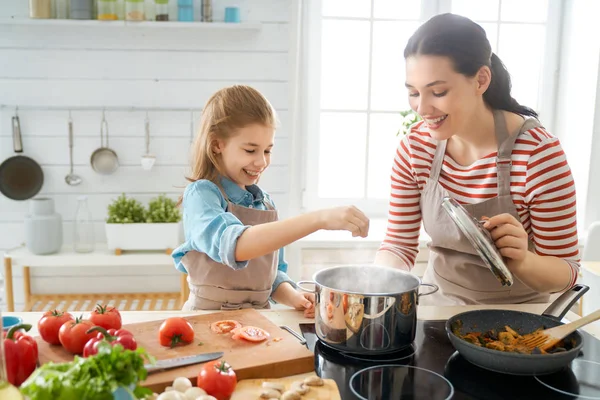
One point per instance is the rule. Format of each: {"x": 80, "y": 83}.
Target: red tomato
{"x": 50, "y": 323}
{"x": 218, "y": 379}
{"x": 175, "y": 331}
{"x": 107, "y": 317}
{"x": 225, "y": 326}
{"x": 250, "y": 333}
{"x": 73, "y": 336}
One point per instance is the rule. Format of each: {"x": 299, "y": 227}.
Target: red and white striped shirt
{"x": 541, "y": 185}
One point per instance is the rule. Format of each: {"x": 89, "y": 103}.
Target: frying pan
{"x": 522, "y": 322}
{"x": 21, "y": 177}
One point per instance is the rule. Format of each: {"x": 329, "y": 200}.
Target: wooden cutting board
{"x": 268, "y": 359}
{"x": 251, "y": 389}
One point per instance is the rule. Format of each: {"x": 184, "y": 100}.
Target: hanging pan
{"x": 21, "y": 177}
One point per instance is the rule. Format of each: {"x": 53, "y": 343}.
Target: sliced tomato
{"x": 225, "y": 326}
{"x": 250, "y": 333}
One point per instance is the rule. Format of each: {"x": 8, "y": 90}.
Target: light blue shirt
{"x": 210, "y": 229}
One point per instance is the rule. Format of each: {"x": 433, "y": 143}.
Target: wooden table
{"x": 99, "y": 258}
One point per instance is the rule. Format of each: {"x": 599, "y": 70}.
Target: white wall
{"x": 578, "y": 103}
{"x": 48, "y": 69}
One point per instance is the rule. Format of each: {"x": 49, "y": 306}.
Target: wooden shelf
{"x": 122, "y": 301}
{"x": 242, "y": 26}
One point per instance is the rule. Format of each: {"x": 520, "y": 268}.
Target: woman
{"x": 481, "y": 147}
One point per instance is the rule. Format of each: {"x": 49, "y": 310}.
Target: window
{"x": 354, "y": 71}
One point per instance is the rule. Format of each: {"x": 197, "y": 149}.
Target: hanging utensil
{"x": 21, "y": 177}
{"x": 104, "y": 160}
{"x": 148, "y": 159}
{"x": 71, "y": 178}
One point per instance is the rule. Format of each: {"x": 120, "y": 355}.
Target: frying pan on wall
{"x": 21, "y": 177}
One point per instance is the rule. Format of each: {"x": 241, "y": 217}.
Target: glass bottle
{"x": 134, "y": 10}
{"x": 7, "y": 391}
{"x": 83, "y": 231}
{"x": 40, "y": 9}
{"x": 162, "y": 10}
{"x": 81, "y": 9}
{"x": 185, "y": 10}
{"x": 107, "y": 10}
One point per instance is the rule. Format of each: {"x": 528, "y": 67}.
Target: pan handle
{"x": 16, "y": 128}
{"x": 559, "y": 308}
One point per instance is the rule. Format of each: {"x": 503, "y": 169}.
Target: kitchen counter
{"x": 293, "y": 318}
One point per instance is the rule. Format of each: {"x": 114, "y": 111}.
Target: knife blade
{"x": 169, "y": 363}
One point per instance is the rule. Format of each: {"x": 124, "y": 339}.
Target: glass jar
{"x": 161, "y": 7}
{"x": 185, "y": 10}
{"x": 81, "y": 9}
{"x": 7, "y": 391}
{"x": 107, "y": 10}
{"x": 40, "y": 9}
{"x": 61, "y": 9}
{"x": 134, "y": 10}
{"x": 83, "y": 231}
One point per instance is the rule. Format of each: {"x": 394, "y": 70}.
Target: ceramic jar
{"x": 43, "y": 227}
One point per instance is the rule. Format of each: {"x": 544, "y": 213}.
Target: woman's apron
{"x": 454, "y": 264}
{"x": 215, "y": 286}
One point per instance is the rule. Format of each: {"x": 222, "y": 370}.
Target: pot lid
{"x": 480, "y": 238}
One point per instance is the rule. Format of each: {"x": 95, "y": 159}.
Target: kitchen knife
{"x": 162, "y": 365}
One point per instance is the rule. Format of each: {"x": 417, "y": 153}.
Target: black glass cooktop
{"x": 431, "y": 369}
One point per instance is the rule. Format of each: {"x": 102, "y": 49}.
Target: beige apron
{"x": 215, "y": 286}
{"x": 454, "y": 264}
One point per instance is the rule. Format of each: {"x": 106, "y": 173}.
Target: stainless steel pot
{"x": 366, "y": 309}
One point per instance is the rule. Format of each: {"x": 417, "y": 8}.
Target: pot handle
{"x": 306, "y": 283}
{"x": 559, "y": 308}
{"x": 433, "y": 286}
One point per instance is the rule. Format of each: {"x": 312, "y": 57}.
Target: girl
{"x": 233, "y": 253}
{"x": 481, "y": 147}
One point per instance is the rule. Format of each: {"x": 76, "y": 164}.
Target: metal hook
{"x": 70, "y": 119}
{"x": 191, "y": 126}
{"x": 16, "y": 111}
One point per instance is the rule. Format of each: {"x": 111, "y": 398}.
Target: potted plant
{"x": 409, "y": 118}
{"x": 131, "y": 226}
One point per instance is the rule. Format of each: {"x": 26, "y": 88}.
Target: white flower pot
{"x": 142, "y": 236}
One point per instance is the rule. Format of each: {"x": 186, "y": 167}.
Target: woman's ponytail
{"x": 498, "y": 93}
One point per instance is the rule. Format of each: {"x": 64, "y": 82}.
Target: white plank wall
{"x": 48, "y": 69}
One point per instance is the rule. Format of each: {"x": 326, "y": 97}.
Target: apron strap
{"x": 438, "y": 161}
{"x": 506, "y": 144}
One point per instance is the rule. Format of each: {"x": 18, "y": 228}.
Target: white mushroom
{"x": 193, "y": 393}
{"x": 171, "y": 395}
{"x": 270, "y": 394}
{"x": 274, "y": 385}
{"x": 300, "y": 387}
{"x": 181, "y": 384}
{"x": 291, "y": 395}
{"x": 314, "y": 381}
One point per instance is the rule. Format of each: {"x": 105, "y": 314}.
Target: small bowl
{"x": 8, "y": 321}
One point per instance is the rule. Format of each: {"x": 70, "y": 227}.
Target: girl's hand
{"x": 510, "y": 238}
{"x": 303, "y": 301}
{"x": 347, "y": 218}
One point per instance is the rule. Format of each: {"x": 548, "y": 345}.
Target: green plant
{"x": 162, "y": 209}
{"x": 409, "y": 118}
{"x": 126, "y": 210}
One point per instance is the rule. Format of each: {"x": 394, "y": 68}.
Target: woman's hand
{"x": 510, "y": 239}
